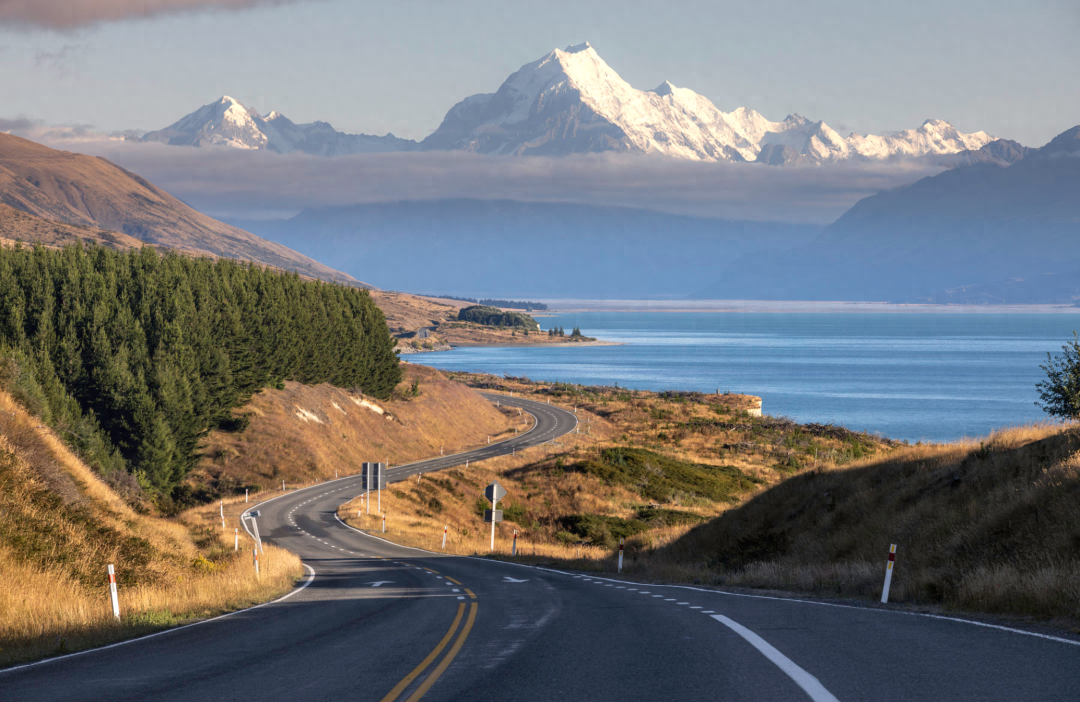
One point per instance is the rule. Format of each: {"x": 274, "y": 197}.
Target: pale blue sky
{"x": 1009, "y": 68}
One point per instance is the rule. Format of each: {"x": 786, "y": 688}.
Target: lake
{"x": 914, "y": 376}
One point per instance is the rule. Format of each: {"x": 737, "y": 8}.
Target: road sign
{"x": 493, "y": 515}
{"x": 253, "y": 513}
{"x": 494, "y": 492}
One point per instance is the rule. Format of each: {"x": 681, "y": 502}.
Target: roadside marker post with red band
{"x": 112, "y": 593}
{"x": 513, "y": 549}
{"x": 236, "y": 539}
{"x": 888, "y": 573}
{"x": 255, "y": 555}
{"x": 445, "y": 527}
{"x": 384, "y": 524}
{"x": 622, "y": 542}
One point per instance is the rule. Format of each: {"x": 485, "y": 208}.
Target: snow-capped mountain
{"x": 227, "y": 122}
{"x": 571, "y": 101}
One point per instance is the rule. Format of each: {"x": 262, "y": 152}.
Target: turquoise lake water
{"x": 914, "y": 376}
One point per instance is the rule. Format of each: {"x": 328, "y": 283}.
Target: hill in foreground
{"x": 61, "y": 526}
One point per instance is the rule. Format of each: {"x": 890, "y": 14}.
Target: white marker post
{"x": 283, "y": 486}
{"x": 513, "y": 548}
{"x": 445, "y": 527}
{"x": 245, "y": 494}
{"x": 236, "y": 539}
{"x": 888, "y": 573}
{"x": 258, "y": 539}
{"x": 384, "y": 524}
{"x": 622, "y": 542}
{"x": 112, "y": 593}
{"x": 255, "y": 556}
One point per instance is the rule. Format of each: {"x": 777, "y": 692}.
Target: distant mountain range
{"x": 1002, "y": 226}
{"x": 977, "y": 234}
{"x": 57, "y": 198}
{"x": 570, "y": 102}
{"x": 482, "y": 248}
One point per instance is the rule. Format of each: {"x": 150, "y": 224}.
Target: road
{"x": 378, "y": 621}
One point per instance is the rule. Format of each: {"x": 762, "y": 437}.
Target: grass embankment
{"x": 646, "y": 467}
{"x": 60, "y": 526}
{"x": 989, "y": 526}
{"x": 303, "y": 434}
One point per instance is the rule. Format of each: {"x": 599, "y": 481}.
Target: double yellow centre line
{"x": 447, "y": 659}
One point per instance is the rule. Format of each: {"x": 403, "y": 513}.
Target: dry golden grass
{"x": 989, "y": 525}
{"x": 303, "y": 434}
{"x": 60, "y": 526}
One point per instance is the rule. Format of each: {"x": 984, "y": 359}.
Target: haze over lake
{"x": 914, "y": 376}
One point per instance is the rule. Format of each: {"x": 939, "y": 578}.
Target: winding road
{"x": 377, "y": 621}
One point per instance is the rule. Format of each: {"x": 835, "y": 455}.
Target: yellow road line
{"x": 452, "y": 580}
{"x": 445, "y": 662}
{"x": 470, "y": 593}
{"x": 407, "y": 680}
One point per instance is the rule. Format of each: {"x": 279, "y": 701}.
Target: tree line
{"x": 507, "y": 304}
{"x": 134, "y": 356}
{"x": 494, "y": 317}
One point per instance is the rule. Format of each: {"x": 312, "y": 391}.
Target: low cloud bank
{"x": 69, "y": 14}
{"x": 226, "y": 182}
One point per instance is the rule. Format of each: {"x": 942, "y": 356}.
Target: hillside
{"x": 978, "y": 233}
{"x": 990, "y": 525}
{"x": 305, "y": 433}
{"x": 60, "y": 527}
{"x": 19, "y": 226}
{"x": 85, "y": 191}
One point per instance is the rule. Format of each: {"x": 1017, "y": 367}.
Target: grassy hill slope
{"x": 60, "y": 526}
{"x": 303, "y": 433}
{"x": 990, "y": 526}
{"x": 82, "y": 190}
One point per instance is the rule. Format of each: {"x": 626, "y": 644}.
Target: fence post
{"x": 112, "y": 593}
{"x": 888, "y": 573}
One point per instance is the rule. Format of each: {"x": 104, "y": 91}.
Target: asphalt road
{"x": 378, "y": 621}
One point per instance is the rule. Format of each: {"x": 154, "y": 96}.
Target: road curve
{"x": 384, "y": 622}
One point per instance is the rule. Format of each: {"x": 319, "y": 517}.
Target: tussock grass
{"x": 60, "y": 526}
{"x": 990, "y": 525}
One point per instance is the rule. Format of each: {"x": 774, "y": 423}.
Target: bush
{"x": 1059, "y": 394}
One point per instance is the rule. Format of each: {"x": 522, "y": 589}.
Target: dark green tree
{"x": 1059, "y": 394}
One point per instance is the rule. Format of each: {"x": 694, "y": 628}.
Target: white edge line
{"x": 1011, "y": 630}
{"x": 810, "y": 685}
{"x": 310, "y": 578}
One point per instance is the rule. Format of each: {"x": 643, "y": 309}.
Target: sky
{"x": 1006, "y": 67}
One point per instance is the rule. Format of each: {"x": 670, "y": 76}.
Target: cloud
{"x": 259, "y": 184}
{"x": 69, "y": 14}
{"x": 19, "y": 124}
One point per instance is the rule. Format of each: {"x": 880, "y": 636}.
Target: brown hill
{"x": 303, "y": 433}
{"x": 16, "y": 225}
{"x": 92, "y": 192}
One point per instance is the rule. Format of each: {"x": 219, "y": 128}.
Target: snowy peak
{"x": 571, "y": 101}
{"x": 227, "y": 122}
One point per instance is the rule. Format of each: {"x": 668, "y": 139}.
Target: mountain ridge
{"x": 571, "y": 101}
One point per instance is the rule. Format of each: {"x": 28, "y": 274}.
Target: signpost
{"x": 373, "y": 477}
{"x": 494, "y": 493}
